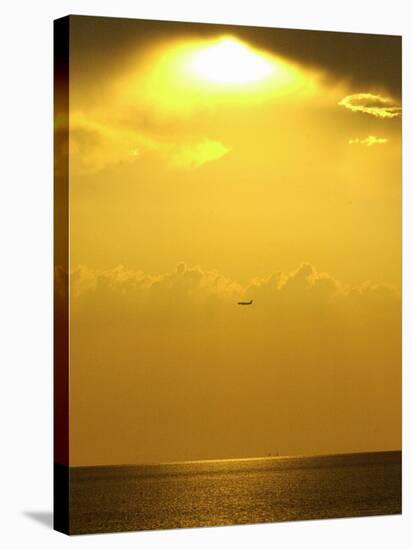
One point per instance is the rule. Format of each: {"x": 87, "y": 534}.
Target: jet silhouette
{"x": 249, "y": 303}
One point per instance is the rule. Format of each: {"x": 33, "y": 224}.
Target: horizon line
{"x": 240, "y": 459}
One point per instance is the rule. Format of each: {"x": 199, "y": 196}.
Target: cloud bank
{"x": 169, "y": 367}
{"x": 199, "y": 292}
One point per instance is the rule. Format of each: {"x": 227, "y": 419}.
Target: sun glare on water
{"x": 229, "y": 61}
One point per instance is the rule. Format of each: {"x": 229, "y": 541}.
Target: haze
{"x": 211, "y": 165}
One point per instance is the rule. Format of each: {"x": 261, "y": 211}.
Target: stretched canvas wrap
{"x": 227, "y": 275}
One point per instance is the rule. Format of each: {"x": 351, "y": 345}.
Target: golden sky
{"x": 210, "y": 164}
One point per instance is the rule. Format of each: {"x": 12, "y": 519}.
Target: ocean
{"x": 233, "y": 492}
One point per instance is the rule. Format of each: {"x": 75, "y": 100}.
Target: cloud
{"x": 368, "y": 141}
{"x": 192, "y": 156}
{"x": 309, "y": 297}
{"x": 302, "y": 292}
{"x": 371, "y": 104}
{"x": 303, "y": 281}
{"x": 184, "y": 287}
{"x": 95, "y": 146}
{"x": 314, "y": 361}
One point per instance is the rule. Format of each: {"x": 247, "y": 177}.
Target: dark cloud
{"x": 369, "y": 61}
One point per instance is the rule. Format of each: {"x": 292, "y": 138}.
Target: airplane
{"x": 249, "y": 303}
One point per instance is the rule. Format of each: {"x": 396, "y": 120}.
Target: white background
{"x": 26, "y": 270}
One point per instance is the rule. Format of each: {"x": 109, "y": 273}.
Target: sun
{"x": 187, "y": 74}
{"x": 229, "y": 61}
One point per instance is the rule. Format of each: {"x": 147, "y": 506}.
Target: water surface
{"x": 196, "y": 494}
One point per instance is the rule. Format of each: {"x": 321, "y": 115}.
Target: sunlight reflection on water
{"x": 124, "y": 498}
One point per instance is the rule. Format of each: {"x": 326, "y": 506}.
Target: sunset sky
{"x": 211, "y": 164}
